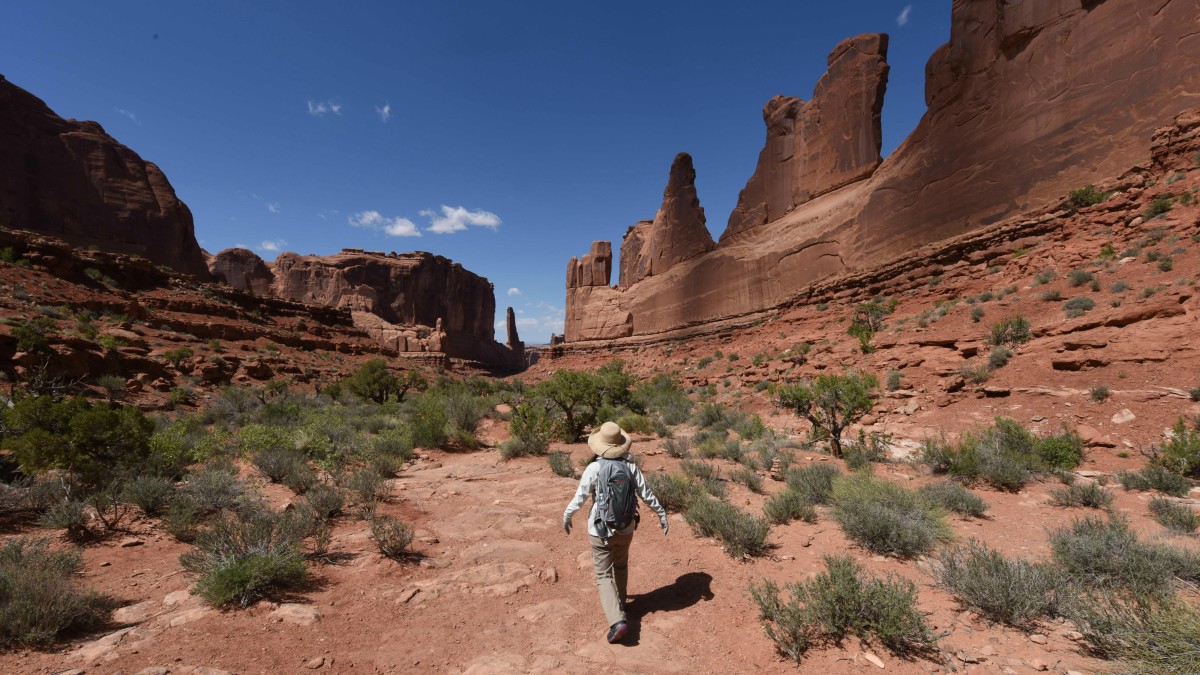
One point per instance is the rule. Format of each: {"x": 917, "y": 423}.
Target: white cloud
{"x": 456, "y": 219}
{"x": 323, "y": 108}
{"x": 374, "y": 220}
{"x": 385, "y": 113}
{"x": 273, "y": 207}
{"x": 325, "y": 214}
{"x": 902, "y": 20}
{"x": 130, "y": 115}
{"x": 272, "y": 246}
{"x": 514, "y": 293}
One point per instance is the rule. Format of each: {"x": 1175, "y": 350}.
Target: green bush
{"x": 372, "y": 381}
{"x": 864, "y": 450}
{"x": 1087, "y": 196}
{"x": 1010, "y": 332}
{"x": 40, "y": 600}
{"x": 531, "y": 430}
{"x": 675, "y": 492}
{"x": 1158, "y": 206}
{"x": 788, "y": 505}
{"x": 325, "y": 500}
{"x": 893, "y": 379}
{"x": 1151, "y": 637}
{"x": 741, "y": 533}
{"x": 813, "y": 482}
{"x": 69, "y": 515}
{"x": 1181, "y": 452}
{"x": 151, "y": 494}
{"x": 241, "y": 561}
{"x": 748, "y": 478}
{"x": 662, "y": 396}
{"x": 998, "y": 357}
{"x": 178, "y": 356}
{"x": 840, "y": 602}
{"x": 1044, "y": 277}
{"x": 955, "y": 498}
{"x": 1015, "y": 592}
{"x": 577, "y": 396}
{"x": 708, "y": 476}
{"x": 974, "y": 373}
{"x": 34, "y": 335}
{"x": 183, "y": 517}
{"x": 278, "y": 463}
{"x": 426, "y": 418}
{"x": 216, "y": 487}
{"x": 678, "y": 446}
{"x": 1078, "y": 278}
{"x": 1078, "y": 306}
{"x": 560, "y": 464}
{"x": 1102, "y": 553}
{"x": 465, "y": 411}
{"x": 831, "y": 403}
{"x": 368, "y": 488}
{"x": 1090, "y": 495}
{"x": 1099, "y": 392}
{"x": 1155, "y": 477}
{"x": 633, "y": 423}
{"x": 393, "y": 537}
{"x": 886, "y": 518}
{"x": 1005, "y": 455}
{"x": 1178, "y": 518}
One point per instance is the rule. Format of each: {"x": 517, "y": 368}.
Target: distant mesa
{"x": 70, "y": 179}
{"x": 1025, "y": 102}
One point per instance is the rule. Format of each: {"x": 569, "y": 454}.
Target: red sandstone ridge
{"x": 72, "y": 180}
{"x": 409, "y": 302}
{"x": 677, "y": 232}
{"x": 593, "y": 307}
{"x": 1026, "y": 102}
{"x": 816, "y": 146}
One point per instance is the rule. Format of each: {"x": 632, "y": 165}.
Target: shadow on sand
{"x": 686, "y": 591}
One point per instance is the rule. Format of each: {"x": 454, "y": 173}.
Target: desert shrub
{"x": 741, "y": 533}
{"x": 1051, "y": 296}
{"x": 998, "y": 357}
{"x": 325, "y": 500}
{"x": 372, "y": 381}
{"x": 1011, "y": 331}
{"x": 531, "y": 429}
{"x": 183, "y": 517}
{"x": 1006, "y": 455}
{"x": 813, "y": 482}
{"x": 749, "y": 427}
{"x": 893, "y": 379}
{"x": 393, "y": 537}
{"x": 1119, "y": 287}
{"x": 368, "y": 487}
{"x": 868, "y": 320}
{"x": 1078, "y": 278}
{"x": 662, "y": 396}
{"x": 216, "y": 487}
{"x": 886, "y": 518}
{"x": 1063, "y": 450}
{"x": 977, "y": 313}
{"x": 560, "y": 464}
{"x": 113, "y": 386}
{"x": 633, "y": 423}
{"x": 707, "y": 474}
{"x": 862, "y": 451}
{"x": 1152, "y": 637}
{"x": 788, "y": 505}
{"x": 675, "y": 492}
{"x": 278, "y": 463}
{"x": 151, "y": 494}
{"x": 678, "y": 446}
{"x": 1090, "y": 495}
{"x": 178, "y": 355}
{"x": 839, "y": 602}
{"x": 1078, "y": 306}
{"x": 465, "y": 411}
{"x": 40, "y": 600}
{"x": 749, "y": 478}
{"x": 831, "y": 403}
{"x": 1181, "y": 452}
{"x": 243, "y": 560}
{"x": 232, "y": 405}
{"x": 1099, "y": 392}
{"x": 1043, "y": 277}
{"x": 1176, "y": 517}
{"x": 974, "y": 373}
{"x": 1155, "y": 477}
{"x": 1158, "y": 206}
{"x": 1106, "y": 553}
{"x": 714, "y": 416}
{"x": 577, "y": 397}
{"x": 426, "y": 418}
{"x": 1015, "y": 591}
{"x": 69, "y": 515}
{"x": 955, "y": 498}
{"x": 1087, "y": 196}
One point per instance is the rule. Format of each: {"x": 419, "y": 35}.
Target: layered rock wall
{"x": 593, "y": 307}
{"x": 1027, "y": 101}
{"x": 70, "y": 179}
{"x": 242, "y": 269}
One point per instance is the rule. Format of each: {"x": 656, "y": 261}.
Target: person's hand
{"x": 567, "y": 525}
{"x": 666, "y": 527}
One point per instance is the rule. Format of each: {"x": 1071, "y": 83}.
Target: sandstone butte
{"x": 409, "y": 302}
{"x": 1025, "y": 102}
{"x": 70, "y": 179}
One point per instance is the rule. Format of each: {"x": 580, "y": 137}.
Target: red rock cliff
{"x": 72, "y": 180}
{"x": 1026, "y": 102}
{"x": 242, "y": 269}
{"x": 677, "y": 232}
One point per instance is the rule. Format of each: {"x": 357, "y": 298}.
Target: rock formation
{"x": 592, "y": 305}
{"x": 242, "y": 269}
{"x": 513, "y": 341}
{"x": 820, "y": 145}
{"x": 1027, "y": 101}
{"x": 72, "y": 180}
{"x": 677, "y": 232}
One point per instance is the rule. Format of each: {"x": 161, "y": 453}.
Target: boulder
{"x": 242, "y": 269}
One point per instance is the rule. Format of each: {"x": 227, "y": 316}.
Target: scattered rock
{"x": 154, "y": 670}
{"x": 874, "y": 660}
{"x": 129, "y": 542}
{"x": 1038, "y": 638}
{"x": 176, "y": 598}
{"x": 313, "y": 664}
{"x": 1124, "y": 416}
{"x": 296, "y": 614}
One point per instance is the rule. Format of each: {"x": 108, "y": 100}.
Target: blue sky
{"x": 504, "y": 135}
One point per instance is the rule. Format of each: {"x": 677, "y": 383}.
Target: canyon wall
{"x": 1025, "y": 102}
{"x": 70, "y": 179}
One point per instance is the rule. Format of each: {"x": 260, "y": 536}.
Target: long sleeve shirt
{"x": 587, "y": 488}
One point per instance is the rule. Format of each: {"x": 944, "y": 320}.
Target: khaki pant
{"x": 611, "y": 562}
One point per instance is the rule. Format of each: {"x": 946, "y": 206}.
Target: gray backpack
{"x": 616, "y": 496}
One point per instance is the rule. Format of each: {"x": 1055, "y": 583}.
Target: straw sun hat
{"x": 609, "y": 441}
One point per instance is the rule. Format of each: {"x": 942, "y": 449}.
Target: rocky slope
{"x": 72, "y": 180}
{"x": 1023, "y": 106}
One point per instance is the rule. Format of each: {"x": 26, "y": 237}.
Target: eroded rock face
{"x": 242, "y": 269}
{"x": 1027, "y": 101}
{"x": 820, "y": 145}
{"x": 677, "y": 232}
{"x": 593, "y": 307}
{"x": 72, "y": 180}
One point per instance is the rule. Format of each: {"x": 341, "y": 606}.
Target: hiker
{"x": 613, "y": 481}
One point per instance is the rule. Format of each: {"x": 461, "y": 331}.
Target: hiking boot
{"x": 618, "y": 631}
